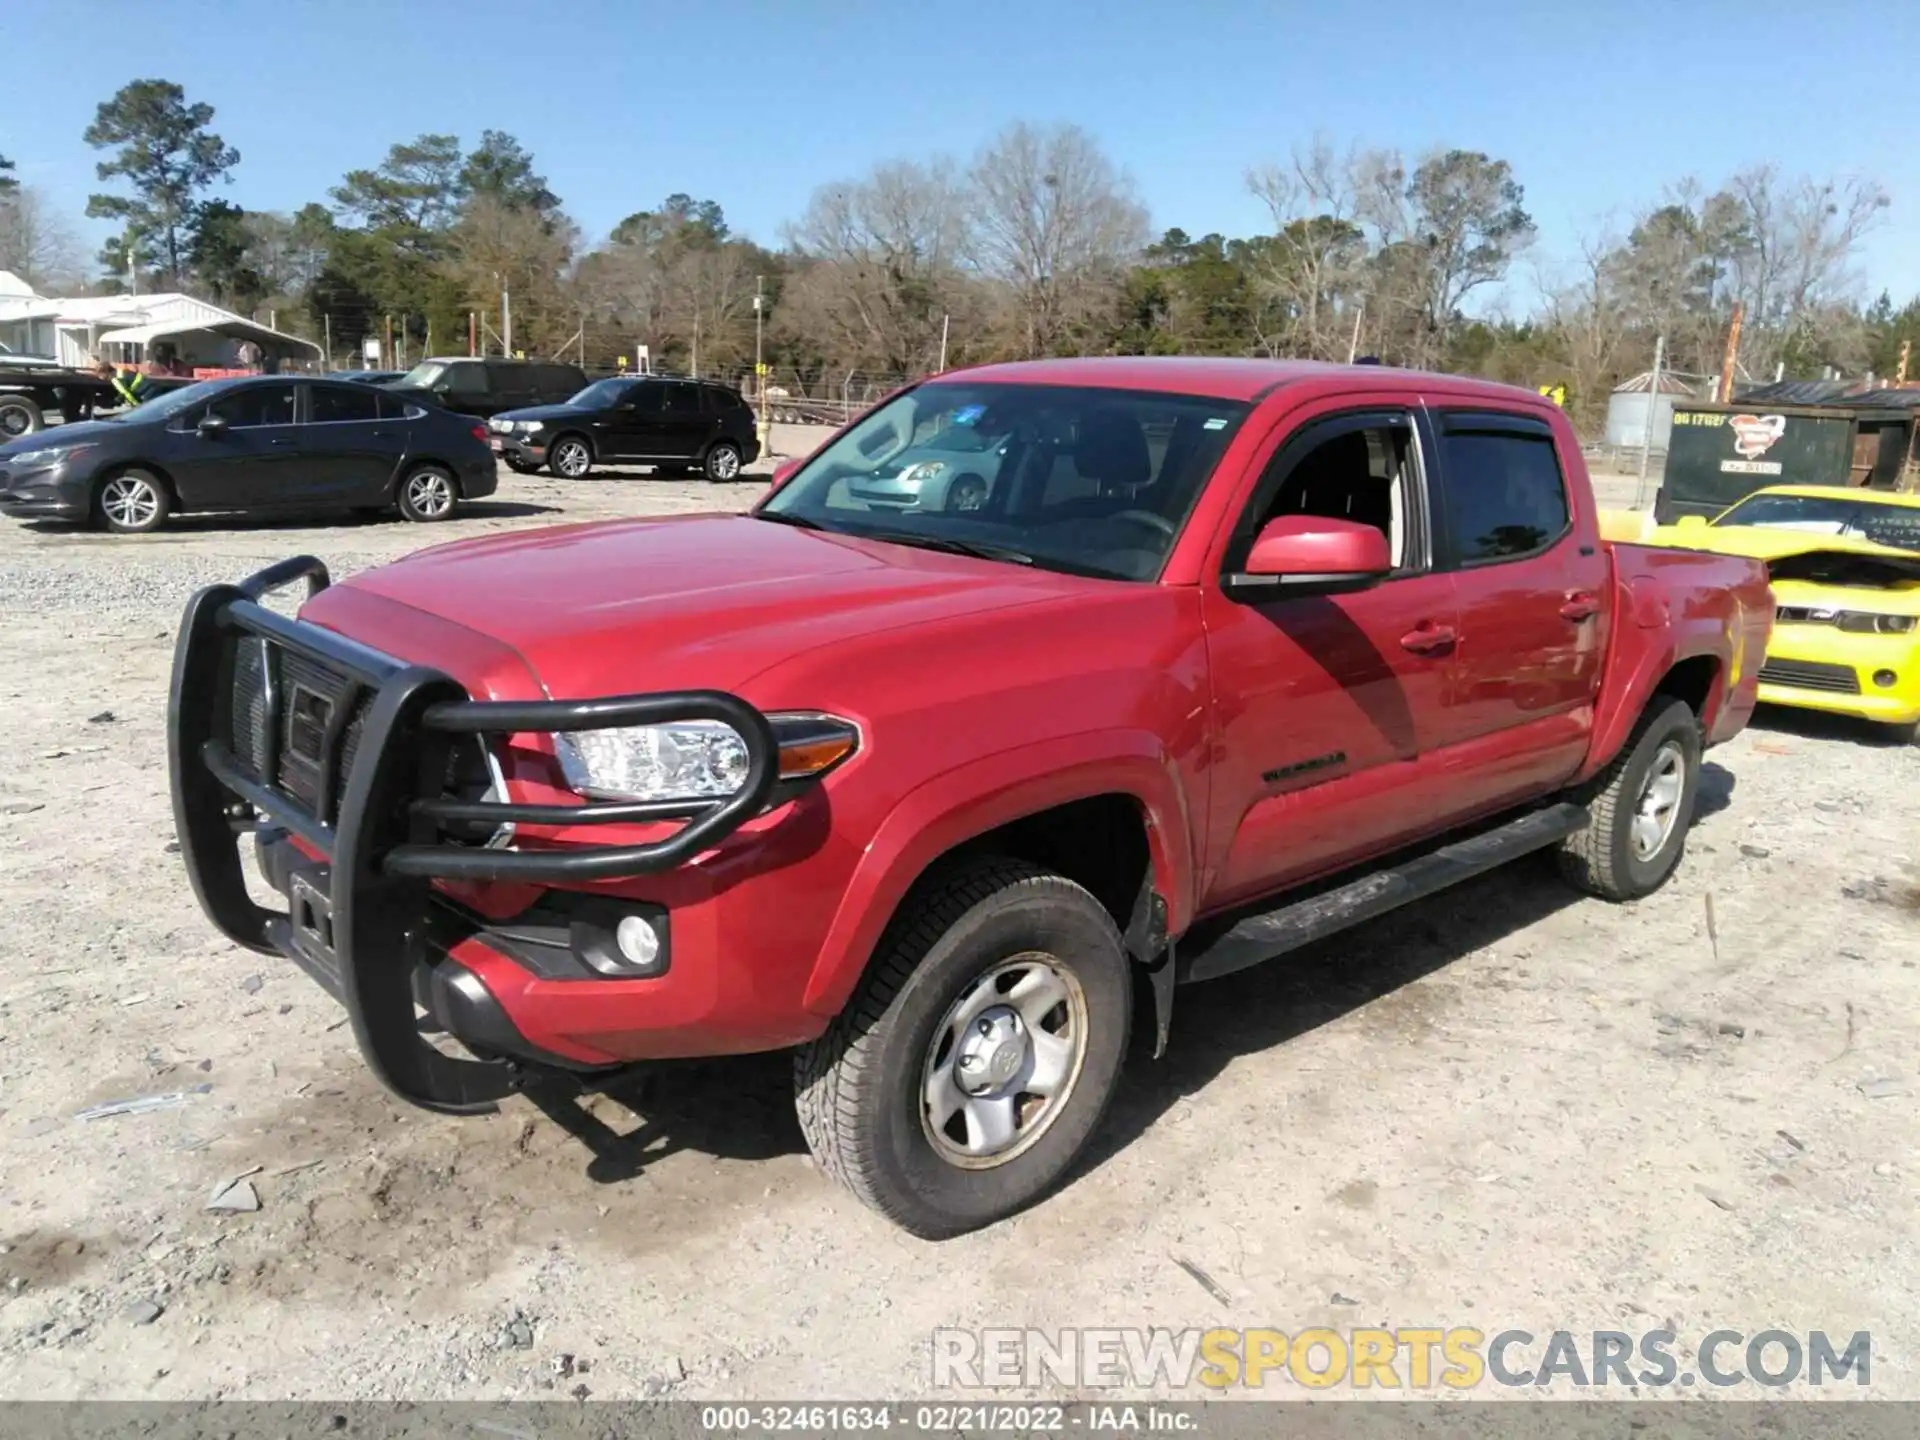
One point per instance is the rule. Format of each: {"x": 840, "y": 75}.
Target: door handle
{"x": 1427, "y": 639}
{"x": 382, "y": 434}
{"x": 280, "y": 442}
{"x": 1580, "y": 606}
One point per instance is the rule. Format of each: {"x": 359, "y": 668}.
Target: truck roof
{"x": 1218, "y": 377}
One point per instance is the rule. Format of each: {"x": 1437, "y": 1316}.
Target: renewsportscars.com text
{"x": 1415, "y": 1358}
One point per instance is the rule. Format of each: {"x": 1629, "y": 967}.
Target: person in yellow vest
{"x": 130, "y": 385}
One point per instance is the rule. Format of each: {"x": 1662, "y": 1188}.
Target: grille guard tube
{"x": 384, "y": 844}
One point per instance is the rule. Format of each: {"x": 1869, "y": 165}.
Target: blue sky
{"x": 753, "y": 103}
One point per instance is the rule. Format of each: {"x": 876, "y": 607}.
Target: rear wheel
{"x": 429, "y": 493}
{"x": 723, "y": 462}
{"x": 133, "y": 502}
{"x": 1641, "y": 804}
{"x": 570, "y": 457}
{"x": 19, "y": 416}
{"x": 976, "y": 1058}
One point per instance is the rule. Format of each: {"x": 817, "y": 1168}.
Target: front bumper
{"x": 527, "y": 450}
{"x": 49, "y": 493}
{"x": 1818, "y": 667}
{"x": 340, "y": 767}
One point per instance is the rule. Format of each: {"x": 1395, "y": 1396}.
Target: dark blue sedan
{"x": 258, "y": 444}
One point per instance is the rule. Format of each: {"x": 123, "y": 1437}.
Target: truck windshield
{"x": 423, "y": 375}
{"x": 1896, "y": 526}
{"x": 1085, "y": 480}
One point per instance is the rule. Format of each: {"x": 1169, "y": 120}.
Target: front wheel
{"x": 429, "y": 493}
{"x": 723, "y": 462}
{"x": 134, "y": 502}
{"x": 1641, "y": 805}
{"x": 979, "y": 1052}
{"x": 570, "y": 458}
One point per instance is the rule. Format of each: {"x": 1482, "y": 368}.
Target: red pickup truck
{"x": 1039, "y": 687}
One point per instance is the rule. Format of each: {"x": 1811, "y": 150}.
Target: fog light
{"x": 1885, "y": 679}
{"x": 639, "y": 942}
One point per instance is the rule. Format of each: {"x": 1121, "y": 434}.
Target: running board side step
{"x": 1274, "y": 932}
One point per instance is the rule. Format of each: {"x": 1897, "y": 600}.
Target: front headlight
{"x": 1863, "y": 622}
{"x": 51, "y": 455}
{"x": 694, "y": 759}
{"x": 529, "y": 427}
{"x": 922, "y": 472}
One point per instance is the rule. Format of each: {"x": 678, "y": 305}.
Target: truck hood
{"x": 682, "y": 602}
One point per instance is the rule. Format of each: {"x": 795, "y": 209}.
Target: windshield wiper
{"x": 782, "y": 517}
{"x": 978, "y": 549}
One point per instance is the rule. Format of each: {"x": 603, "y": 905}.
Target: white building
{"x": 77, "y": 331}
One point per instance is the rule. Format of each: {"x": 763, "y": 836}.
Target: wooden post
{"x": 389, "y": 342}
{"x": 1725, "y": 394}
{"x": 1906, "y": 354}
{"x": 473, "y": 333}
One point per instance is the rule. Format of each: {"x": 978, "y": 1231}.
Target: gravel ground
{"x": 1505, "y": 1107}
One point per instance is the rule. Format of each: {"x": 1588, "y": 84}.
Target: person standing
{"x": 249, "y": 355}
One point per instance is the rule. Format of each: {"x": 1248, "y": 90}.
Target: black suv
{"x": 486, "y": 387}
{"x": 677, "y": 426}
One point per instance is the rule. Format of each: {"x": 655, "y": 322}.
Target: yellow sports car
{"x": 1845, "y": 565}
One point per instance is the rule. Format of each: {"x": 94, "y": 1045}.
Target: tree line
{"x": 1037, "y": 244}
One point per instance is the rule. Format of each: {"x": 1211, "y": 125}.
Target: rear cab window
{"x": 1503, "y": 490}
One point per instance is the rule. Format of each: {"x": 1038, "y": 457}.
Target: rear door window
{"x": 1505, "y": 497}
{"x": 337, "y": 404}
{"x": 681, "y": 399}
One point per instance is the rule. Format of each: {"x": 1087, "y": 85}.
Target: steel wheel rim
{"x": 726, "y": 464}
{"x": 1003, "y": 1061}
{"x": 13, "y": 422}
{"x": 430, "y": 494}
{"x": 1657, "y": 810}
{"x": 130, "y": 501}
{"x": 969, "y": 497}
{"x": 572, "y": 459}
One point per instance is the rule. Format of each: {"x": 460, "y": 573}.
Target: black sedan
{"x": 258, "y": 444}
{"x": 677, "y": 426}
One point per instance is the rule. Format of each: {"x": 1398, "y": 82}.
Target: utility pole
{"x": 696, "y": 342}
{"x": 1653, "y": 401}
{"x": 473, "y": 333}
{"x": 1906, "y": 354}
{"x": 506, "y": 320}
{"x": 759, "y": 363}
{"x": 1724, "y": 393}
{"x": 946, "y": 323}
{"x": 133, "y": 275}
{"x": 327, "y": 324}
{"x": 390, "y": 355}
{"x": 1353, "y": 345}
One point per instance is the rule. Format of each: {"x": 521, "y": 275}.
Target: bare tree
{"x": 36, "y": 244}
{"x": 1056, "y": 224}
{"x": 1313, "y": 264}
{"x": 886, "y": 255}
{"x": 1590, "y": 322}
{"x": 498, "y": 246}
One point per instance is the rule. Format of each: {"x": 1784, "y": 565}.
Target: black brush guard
{"x": 382, "y": 825}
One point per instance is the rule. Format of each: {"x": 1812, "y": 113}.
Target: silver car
{"x": 952, "y": 470}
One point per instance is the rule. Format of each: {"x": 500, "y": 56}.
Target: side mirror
{"x": 1690, "y": 522}
{"x": 783, "y": 472}
{"x": 211, "y": 427}
{"x": 1311, "y": 554}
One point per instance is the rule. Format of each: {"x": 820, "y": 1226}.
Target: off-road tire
{"x": 859, "y": 1087}
{"x": 1600, "y": 859}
